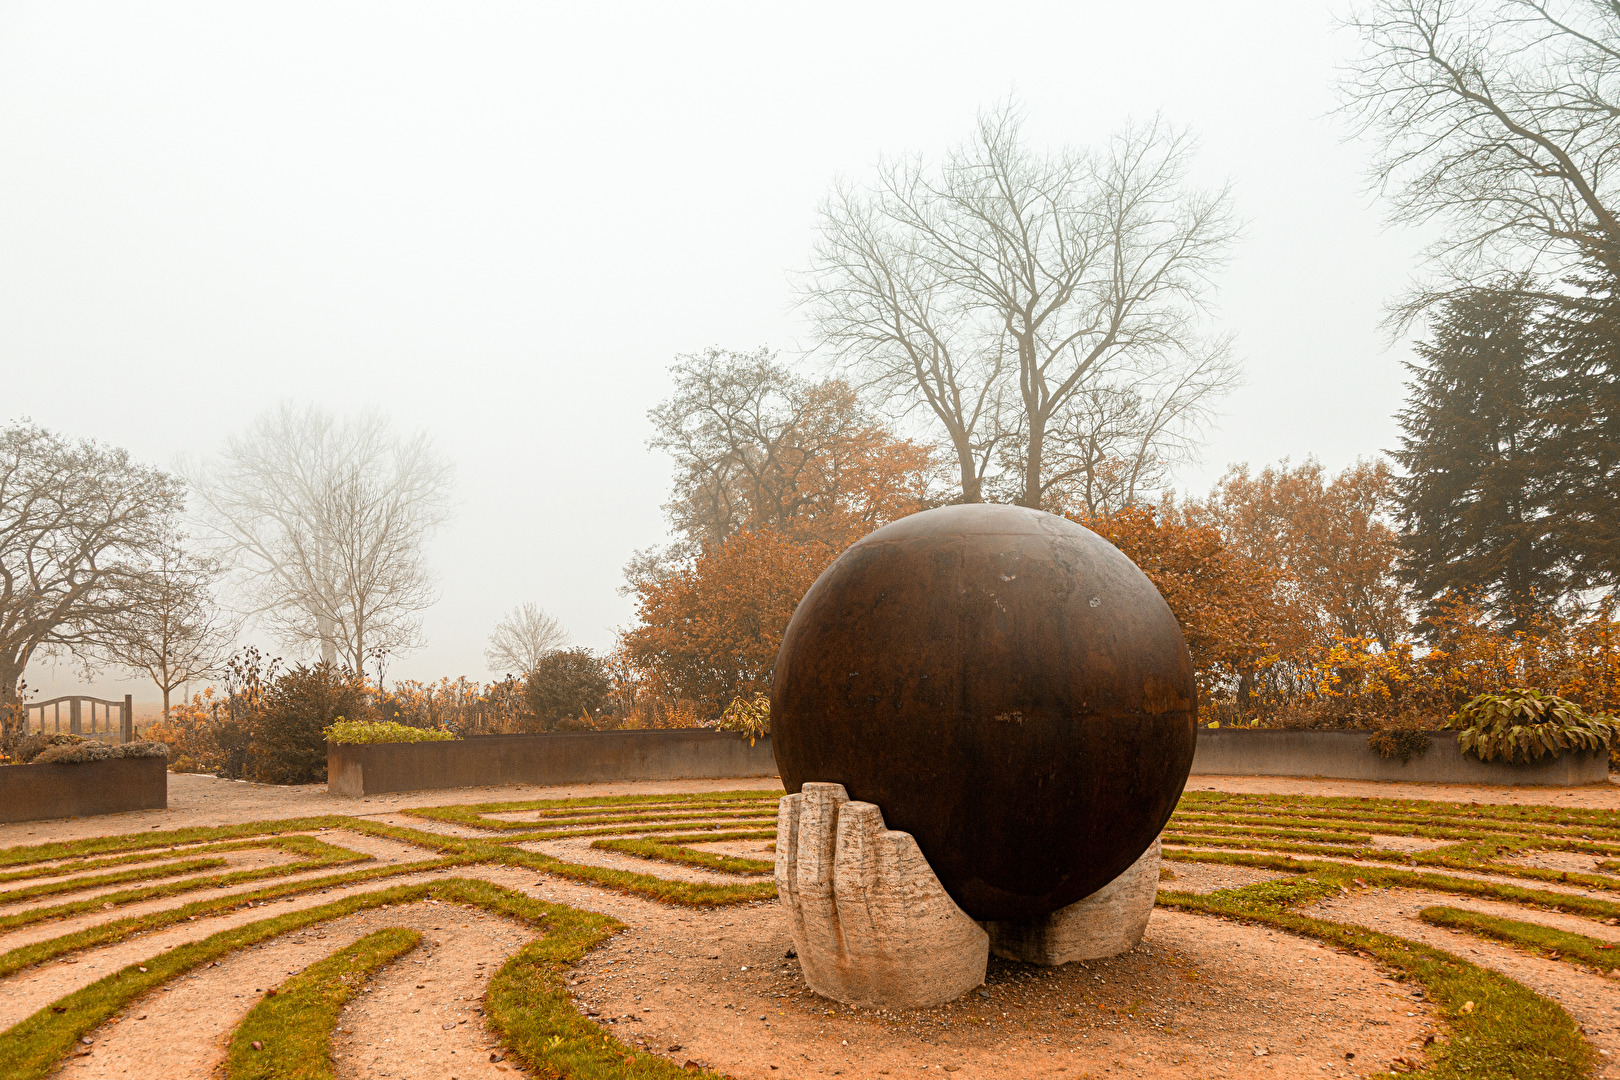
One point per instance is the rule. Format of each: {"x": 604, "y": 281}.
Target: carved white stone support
{"x": 1106, "y": 923}
{"x": 870, "y": 920}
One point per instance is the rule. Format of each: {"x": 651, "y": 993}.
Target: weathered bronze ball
{"x": 1007, "y": 687}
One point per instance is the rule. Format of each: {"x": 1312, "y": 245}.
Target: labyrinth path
{"x": 638, "y": 936}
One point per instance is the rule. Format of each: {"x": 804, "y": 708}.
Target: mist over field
{"x": 499, "y": 226}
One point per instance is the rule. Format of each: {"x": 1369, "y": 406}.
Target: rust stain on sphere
{"x": 1007, "y": 686}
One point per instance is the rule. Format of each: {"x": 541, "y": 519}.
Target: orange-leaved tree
{"x": 709, "y": 632}
{"x": 1233, "y": 609}
{"x": 1330, "y": 536}
{"x": 775, "y": 476}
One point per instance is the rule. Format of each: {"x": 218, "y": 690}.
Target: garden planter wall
{"x": 1345, "y": 755}
{"x": 38, "y": 792}
{"x": 563, "y": 758}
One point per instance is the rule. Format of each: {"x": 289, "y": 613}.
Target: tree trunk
{"x": 12, "y": 713}
{"x": 1032, "y": 462}
{"x": 165, "y": 703}
{"x": 323, "y": 627}
{"x": 972, "y": 484}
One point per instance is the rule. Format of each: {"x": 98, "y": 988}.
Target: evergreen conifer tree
{"x": 1473, "y": 503}
{"x": 1581, "y": 414}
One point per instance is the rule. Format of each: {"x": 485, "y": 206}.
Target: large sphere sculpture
{"x": 1007, "y": 687}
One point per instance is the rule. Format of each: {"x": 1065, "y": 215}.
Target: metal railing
{"x": 48, "y": 716}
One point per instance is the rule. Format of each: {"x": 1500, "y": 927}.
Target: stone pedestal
{"x": 870, "y": 920}
{"x": 873, "y": 926}
{"x": 1106, "y": 923}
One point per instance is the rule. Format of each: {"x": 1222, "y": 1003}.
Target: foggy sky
{"x": 499, "y": 223}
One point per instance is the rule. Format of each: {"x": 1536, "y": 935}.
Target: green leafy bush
{"x": 565, "y": 685}
{"x": 382, "y": 731}
{"x": 1520, "y": 726}
{"x": 287, "y": 733}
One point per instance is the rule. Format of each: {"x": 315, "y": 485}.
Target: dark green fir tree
{"x": 1581, "y": 411}
{"x": 1473, "y": 501}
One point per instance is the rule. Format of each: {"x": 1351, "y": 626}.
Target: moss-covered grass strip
{"x": 1390, "y": 877}
{"x": 527, "y": 1003}
{"x": 118, "y": 877}
{"x": 81, "y": 866}
{"x": 472, "y": 814}
{"x": 1398, "y": 810}
{"x": 1543, "y": 940}
{"x": 687, "y": 893}
{"x": 685, "y": 856}
{"x": 334, "y": 856}
{"x": 292, "y": 1026}
{"x": 110, "y": 933}
{"x": 1271, "y": 845}
{"x": 128, "y": 842}
{"x": 1323, "y": 836}
{"x": 617, "y": 830}
{"x": 1499, "y": 1027}
{"x": 715, "y": 838}
{"x": 31, "y": 1048}
{"x": 624, "y": 823}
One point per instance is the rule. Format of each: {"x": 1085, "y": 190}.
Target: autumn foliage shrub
{"x": 462, "y": 705}
{"x": 267, "y": 724}
{"x": 709, "y": 632}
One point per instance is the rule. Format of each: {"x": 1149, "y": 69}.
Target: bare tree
{"x": 78, "y": 524}
{"x": 1499, "y": 120}
{"x": 1117, "y": 442}
{"x": 888, "y": 313}
{"x": 755, "y": 444}
{"x": 523, "y": 638}
{"x": 174, "y": 633}
{"x": 998, "y": 286}
{"x": 327, "y": 521}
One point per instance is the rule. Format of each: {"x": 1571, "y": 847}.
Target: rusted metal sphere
{"x": 1007, "y": 687}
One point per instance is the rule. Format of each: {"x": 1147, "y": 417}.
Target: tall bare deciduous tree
{"x": 79, "y": 524}
{"x": 993, "y": 289}
{"x": 1499, "y": 120}
{"x": 754, "y": 444}
{"x": 524, "y": 637}
{"x": 175, "y": 632}
{"x": 1118, "y": 441}
{"x": 327, "y": 520}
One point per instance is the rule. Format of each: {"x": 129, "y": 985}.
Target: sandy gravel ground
{"x": 1193, "y": 877}
{"x": 421, "y": 1020}
{"x": 1200, "y": 997}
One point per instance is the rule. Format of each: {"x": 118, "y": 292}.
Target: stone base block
{"x": 1106, "y": 923}
{"x": 870, "y": 920}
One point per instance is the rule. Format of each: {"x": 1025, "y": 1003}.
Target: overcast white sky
{"x": 499, "y": 222}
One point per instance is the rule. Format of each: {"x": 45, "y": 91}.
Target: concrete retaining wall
{"x": 562, "y": 758}
{"x": 1345, "y": 755}
{"x": 39, "y": 792}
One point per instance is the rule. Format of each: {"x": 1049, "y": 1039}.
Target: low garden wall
{"x": 355, "y": 769}
{"x": 38, "y": 792}
{"x": 1345, "y": 755}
